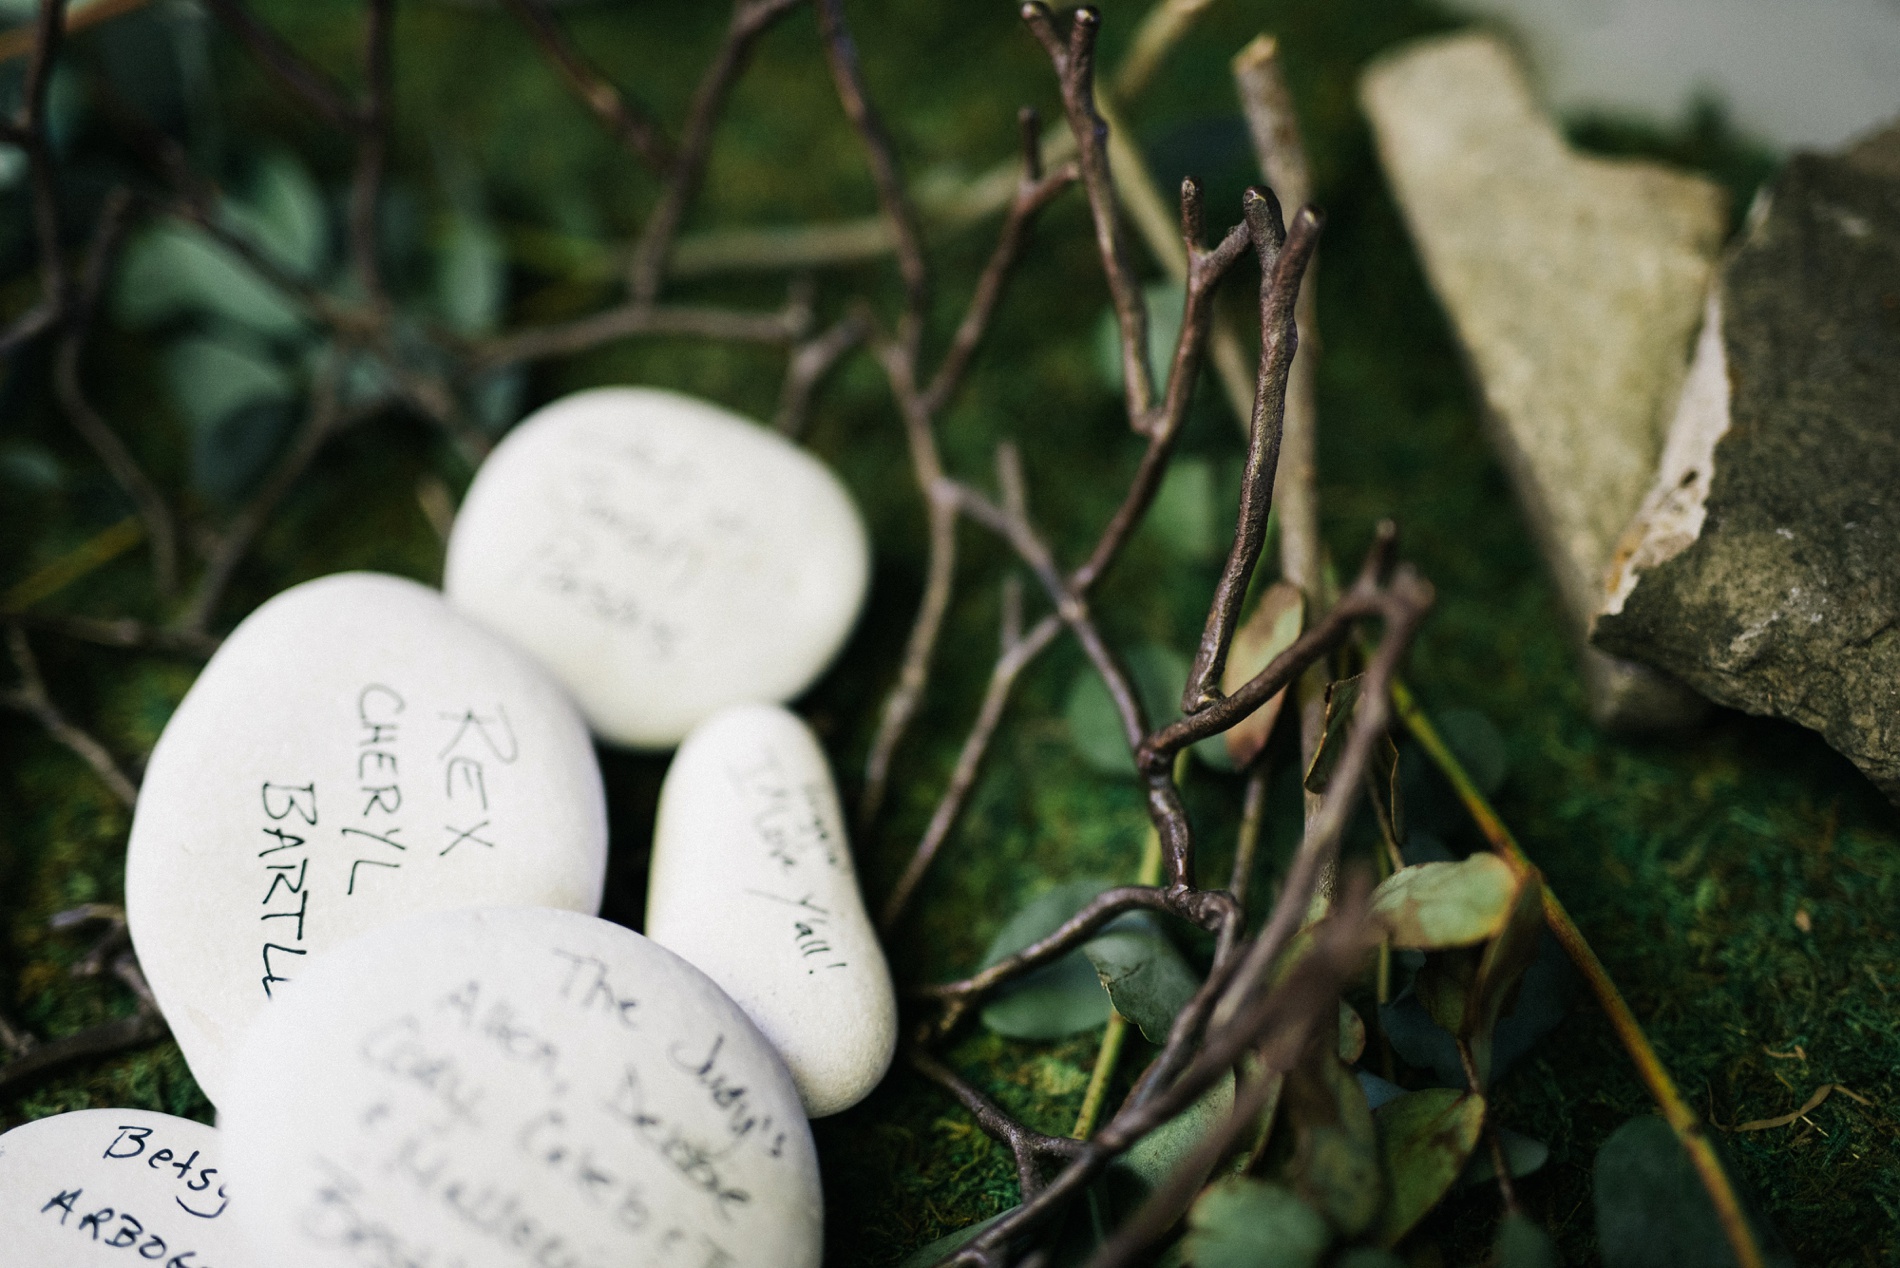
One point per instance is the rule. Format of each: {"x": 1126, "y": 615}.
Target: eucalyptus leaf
{"x": 1167, "y": 303}
{"x": 1522, "y": 1243}
{"x": 1368, "y": 1257}
{"x": 172, "y": 270}
{"x": 1270, "y": 628}
{"x": 471, "y": 275}
{"x": 1154, "y": 1157}
{"x": 1652, "y": 1211}
{"x": 1433, "y": 906}
{"x": 1522, "y": 1154}
{"x": 1060, "y": 998}
{"x": 1335, "y": 1162}
{"x": 1185, "y": 516}
{"x": 1352, "y": 1033}
{"x": 1500, "y": 970}
{"x": 1426, "y": 1136}
{"x": 1478, "y": 745}
{"x": 932, "y": 1253}
{"x": 284, "y": 216}
{"x": 1158, "y": 674}
{"x": 1143, "y": 973}
{"x": 1241, "y": 1222}
{"x": 212, "y": 378}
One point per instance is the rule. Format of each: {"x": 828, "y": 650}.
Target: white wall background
{"x": 1794, "y": 73}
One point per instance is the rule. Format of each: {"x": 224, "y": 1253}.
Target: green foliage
{"x": 1425, "y": 1136}
{"x": 1433, "y": 906}
{"x": 1652, "y": 1211}
{"x": 1143, "y": 974}
{"x": 1246, "y": 1223}
{"x": 1059, "y": 998}
{"x": 1686, "y": 860}
{"x": 1522, "y": 1244}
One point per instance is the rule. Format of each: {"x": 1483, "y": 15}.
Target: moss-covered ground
{"x": 1741, "y": 882}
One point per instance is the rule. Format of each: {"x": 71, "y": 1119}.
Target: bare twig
{"x": 634, "y": 319}
{"x": 319, "y": 93}
{"x": 322, "y": 416}
{"x": 1649, "y": 1067}
{"x": 750, "y": 20}
{"x": 30, "y": 697}
{"x": 89, "y": 423}
{"x": 810, "y": 362}
{"x": 1032, "y": 1148}
{"x": 103, "y": 1040}
{"x": 372, "y": 152}
{"x": 629, "y": 123}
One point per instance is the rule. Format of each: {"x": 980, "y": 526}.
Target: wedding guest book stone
{"x": 357, "y": 750}
{"x": 517, "y": 1087}
{"x": 114, "y": 1186}
{"x": 752, "y": 882}
{"x": 661, "y": 556}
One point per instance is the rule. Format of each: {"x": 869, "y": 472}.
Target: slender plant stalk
{"x": 1117, "y": 1032}
{"x": 1649, "y": 1067}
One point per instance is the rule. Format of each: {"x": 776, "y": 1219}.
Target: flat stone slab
{"x": 1764, "y": 566}
{"x": 1575, "y": 285}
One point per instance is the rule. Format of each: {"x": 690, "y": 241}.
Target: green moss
{"x": 1687, "y": 861}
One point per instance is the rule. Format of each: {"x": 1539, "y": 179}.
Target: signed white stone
{"x": 752, "y": 882}
{"x": 661, "y": 556}
{"x": 357, "y": 750}
{"x": 110, "y": 1186}
{"x": 517, "y": 1087}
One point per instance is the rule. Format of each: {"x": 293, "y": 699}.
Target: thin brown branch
{"x": 313, "y": 87}
{"x": 118, "y": 632}
{"x": 1009, "y": 666}
{"x": 808, "y": 366}
{"x": 1283, "y": 254}
{"x": 629, "y": 123}
{"x": 102, "y": 1040}
{"x": 372, "y": 152}
{"x": 1074, "y": 61}
{"x": 647, "y": 271}
{"x": 322, "y": 417}
{"x": 538, "y": 343}
{"x": 31, "y": 698}
{"x": 89, "y": 422}
{"x": 847, "y": 77}
{"x": 1031, "y": 1148}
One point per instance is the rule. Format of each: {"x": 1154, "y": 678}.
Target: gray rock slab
{"x": 1575, "y": 285}
{"x": 1764, "y": 567}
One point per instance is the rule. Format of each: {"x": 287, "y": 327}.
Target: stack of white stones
{"x": 369, "y": 848}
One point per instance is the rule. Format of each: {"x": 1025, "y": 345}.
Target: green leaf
{"x": 1426, "y": 1136}
{"x": 1158, "y": 674}
{"x": 215, "y": 378}
{"x": 1143, "y": 973}
{"x": 1652, "y": 1211}
{"x": 1431, "y": 906}
{"x": 1167, "y": 302}
{"x": 1185, "y": 516}
{"x": 1154, "y": 1157}
{"x": 1334, "y": 1166}
{"x": 1060, "y": 998}
{"x": 1272, "y": 627}
{"x": 1500, "y": 970}
{"x": 471, "y": 275}
{"x": 1478, "y": 746}
{"x": 1352, "y": 1033}
{"x": 173, "y": 270}
{"x": 1241, "y": 1222}
{"x": 1368, "y": 1257}
{"x": 1522, "y": 1154}
{"x": 1522, "y": 1243}
{"x": 284, "y": 216}
{"x": 927, "y": 1256}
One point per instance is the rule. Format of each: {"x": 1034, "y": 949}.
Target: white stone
{"x": 662, "y": 557}
{"x": 517, "y": 1087}
{"x": 1575, "y": 285}
{"x": 752, "y": 882}
{"x": 356, "y": 751}
{"x": 112, "y": 1186}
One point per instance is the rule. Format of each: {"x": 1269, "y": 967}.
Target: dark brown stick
{"x": 750, "y": 20}
{"x": 629, "y": 123}
{"x": 31, "y": 698}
